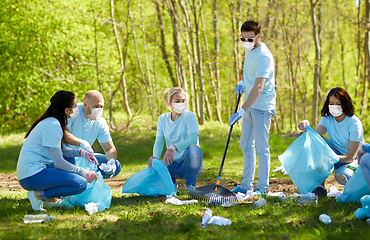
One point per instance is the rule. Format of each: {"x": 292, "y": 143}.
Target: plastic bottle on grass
{"x": 259, "y": 203}
{"x": 301, "y": 198}
{"x": 37, "y": 218}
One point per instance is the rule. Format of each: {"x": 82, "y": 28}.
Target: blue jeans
{"x": 190, "y": 168}
{"x": 254, "y": 137}
{"x": 341, "y": 168}
{"x": 53, "y": 182}
{"x": 82, "y": 162}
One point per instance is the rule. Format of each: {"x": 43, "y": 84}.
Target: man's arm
{"x": 259, "y": 83}
{"x": 71, "y": 139}
{"x": 110, "y": 150}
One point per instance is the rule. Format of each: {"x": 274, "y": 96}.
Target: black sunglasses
{"x": 243, "y": 39}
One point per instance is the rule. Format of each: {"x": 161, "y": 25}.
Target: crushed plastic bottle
{"x": 301, "y": 198}
{"x": 259, "y": 203}
{"x": 37, "y": 218}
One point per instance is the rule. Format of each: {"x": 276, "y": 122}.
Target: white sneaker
{"x": 190, "y": 188}
{"x": 37, "y": 205}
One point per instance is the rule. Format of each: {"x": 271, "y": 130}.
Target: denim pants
{"x": 53, "y": 182}
{"x": 342, "y": 168}
{"x": 190, "y": 168}
{"x": 254, "y": 137}
{"x": 82, "y": 162}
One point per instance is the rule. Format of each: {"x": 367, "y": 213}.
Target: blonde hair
{"x": 170, "y": 92}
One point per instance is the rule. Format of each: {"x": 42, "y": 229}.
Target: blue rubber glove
{"x": 239, "y": 89}
{"x": 236, "y": 116}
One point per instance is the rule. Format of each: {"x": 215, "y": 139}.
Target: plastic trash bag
{"x": 309, "y": 161}
{"x": 97, "y": 192}
{"x": 355, "y": 188}
{"x": 151, "y": 182}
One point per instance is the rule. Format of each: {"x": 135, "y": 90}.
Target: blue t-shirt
{"x": 34, "y": 155}
{"x": 340, "y": 133}
{"x": 259, "y": 63}
{"x": 88, "y": 130}
{"x": 177, "y": 131}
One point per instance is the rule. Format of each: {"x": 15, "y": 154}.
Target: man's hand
{"x": 236, "y": 116}
{"x": 239, "y": 89}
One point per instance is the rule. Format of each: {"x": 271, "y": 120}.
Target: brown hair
{"x": 251, "y": 25}
{"x": 345, "y": 102}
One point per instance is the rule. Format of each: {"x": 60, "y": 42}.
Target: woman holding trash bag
{"x": 41, "y": 168}
{"x": 345, "y": 134}
{"x": 180, "y": 129}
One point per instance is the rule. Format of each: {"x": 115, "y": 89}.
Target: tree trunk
{"x": 126, "y": 105}
{"x": 215, "y": 61}
{"x": 163, "y": 44}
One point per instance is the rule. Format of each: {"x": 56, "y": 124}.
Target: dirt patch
{"x": 9, "y": 182}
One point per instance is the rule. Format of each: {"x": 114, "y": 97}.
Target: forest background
{"x": 132, "y": 51}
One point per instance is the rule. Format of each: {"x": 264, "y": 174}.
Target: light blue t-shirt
{"x": 340, "y": 133}
{"x": 88, "y": 130}
{"x": 259, "y": 63}
{"x": 34, "y": 155}
{"x": 177, "y": 131}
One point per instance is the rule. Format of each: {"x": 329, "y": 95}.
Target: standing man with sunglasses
{"x": 258, "y": 81}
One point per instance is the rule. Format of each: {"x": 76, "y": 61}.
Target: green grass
{"x": 134, "y": 217}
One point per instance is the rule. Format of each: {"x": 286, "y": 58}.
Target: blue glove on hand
{"x": 236, "y": 116}
{"x": 239, "y": 89}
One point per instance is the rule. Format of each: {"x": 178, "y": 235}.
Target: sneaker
{"x": 36, "y": 204}
{"x": 239, "y": 189}
{"x": 320, "y": 191}
{"x": 190, "y": 188}
{"x": 57, "y": 203}
{"x": 258, "y": 192}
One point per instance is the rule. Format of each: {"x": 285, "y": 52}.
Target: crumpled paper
{"x": 209, "y": 219}
{"x": 325, "y": 218}
{"x": 91, "y": 208}
{"x": 281, "y": 168}
{"x": 109, "y": 167}
{"x": 241, "y": 196}
{"x": 171, "y": 199}
{"x": 276, "y": 194}
{"x": 334, "y": 192}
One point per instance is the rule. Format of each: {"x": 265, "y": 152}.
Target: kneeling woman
{"x": 41, "y": 168}
{"x": 180, "y": 130}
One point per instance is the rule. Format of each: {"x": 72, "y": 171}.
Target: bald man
{"x": 88, "y": 126}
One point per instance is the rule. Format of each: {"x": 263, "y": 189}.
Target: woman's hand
{"x": 169, "y": 155}
{"x": 302, "y": 125}
{"x": 89, "y": 156}
{"x": 91, "y": 176}
{"x": 150, "y": 161}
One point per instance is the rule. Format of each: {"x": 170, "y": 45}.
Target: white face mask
{"x": 96, "y": 113}
{"x": 335, "y": 110}
{"x": 179, "y": 107}
{"x": 248, "y": 45}
{"x": 75, "y": 112}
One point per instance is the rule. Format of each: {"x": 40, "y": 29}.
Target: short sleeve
{"x": 103, "y": 133}
{"x": 51, "y": 134}
{"x": 324, "y": 122}
{"x": 355, "y": 131}
{"x": 264, "y": 67}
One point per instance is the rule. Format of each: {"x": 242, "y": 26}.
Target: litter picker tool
{"x": 215, "y": 193}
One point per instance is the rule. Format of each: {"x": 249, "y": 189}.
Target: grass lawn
{"x": 134, "y": 217}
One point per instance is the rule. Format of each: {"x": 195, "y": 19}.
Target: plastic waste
{"x": 301, "y": 198}
{"x": 259, "y": 203}
{"x": 29, "y": 218}
{"x": 325, "y": 219}
{"x": 364, "y": 212}
{"x": 171, "y": 199}
{"x": 355, "y": 188}
{"x": 209, "y": 219}
{"x": 91, "y": 208}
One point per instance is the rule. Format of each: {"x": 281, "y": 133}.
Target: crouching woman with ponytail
{"x": 41, "y": 168}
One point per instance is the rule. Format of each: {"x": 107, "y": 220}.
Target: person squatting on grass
{"x": 344, "y": 131}
{"x": 88, "y": 126}
{"x": 180, "y": 129}
{"x": 258, "y": 80}
{"x": 41, "y": 168}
